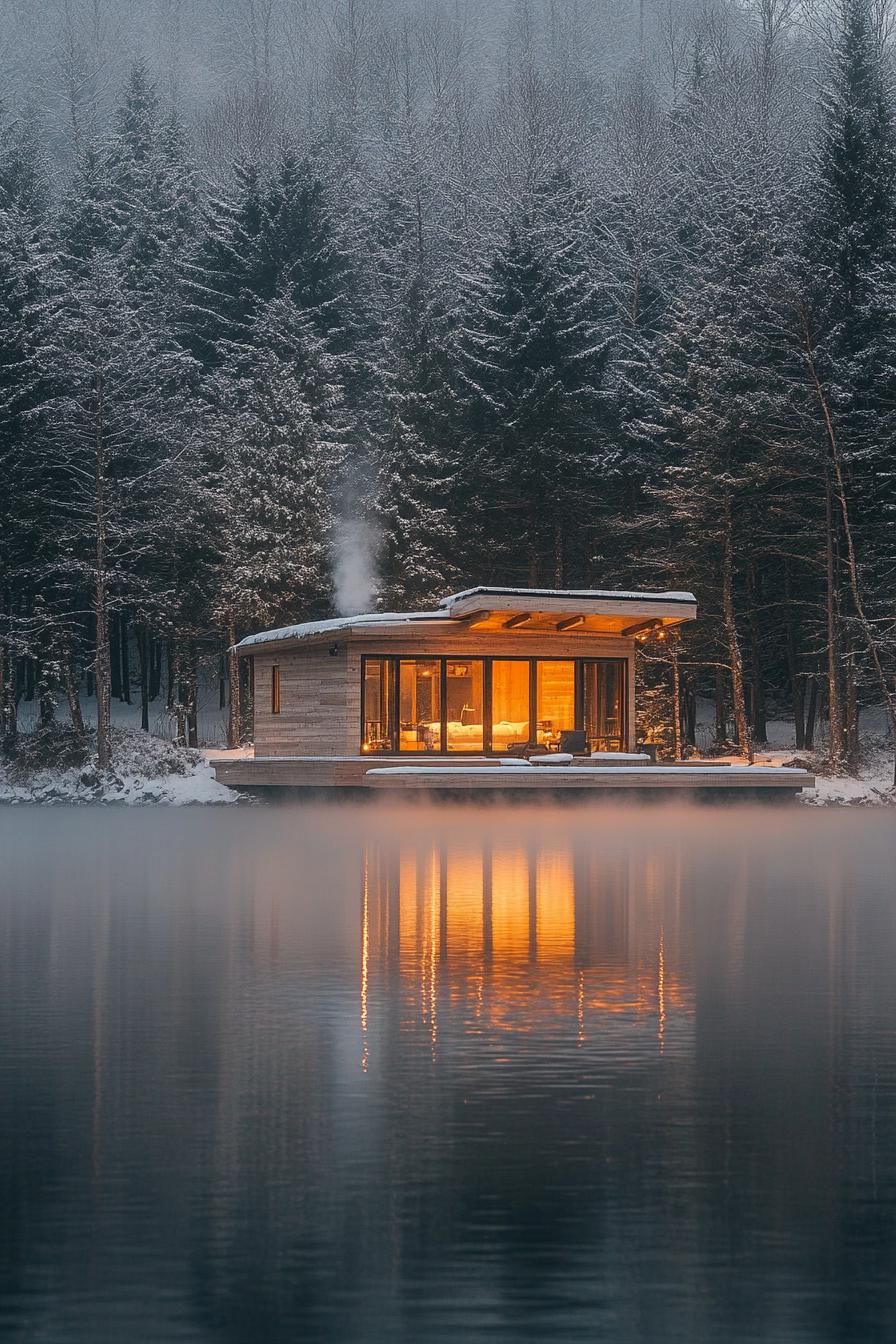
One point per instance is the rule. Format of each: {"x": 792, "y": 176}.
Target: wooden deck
{"x": 466, "y": 775}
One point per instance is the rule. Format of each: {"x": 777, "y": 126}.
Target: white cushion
{"x": 514, "y": 760}
{"x": 552, "y": 758}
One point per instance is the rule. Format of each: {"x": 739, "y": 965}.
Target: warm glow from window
{"x": 464, "y": 704}
{"x": 605, "y": 690}
{"x": 376, "y": 705}
{"x": 556, "y": 700}
{"x": 419, "y": 705}
{"x": 275, "y": 689}
{"x": 510, "y": 704}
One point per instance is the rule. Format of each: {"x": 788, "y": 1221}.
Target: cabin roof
{"x": 315, "y": 629}
{"x": 527, "y": 610}
{"x": 574, "y": 595}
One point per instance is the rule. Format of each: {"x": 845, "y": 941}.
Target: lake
{"x": 372, "y": 1073}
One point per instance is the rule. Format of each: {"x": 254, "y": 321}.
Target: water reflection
{"x": 380, "y": 1075}
{"x": 511, "y": 935}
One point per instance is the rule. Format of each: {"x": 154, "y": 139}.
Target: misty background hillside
{"x": 334, "y": 304}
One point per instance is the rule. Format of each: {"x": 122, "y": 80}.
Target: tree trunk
{"x": 176, "y": 693}
{"x": 9, "y": 725}
{"x": 835, "y": 706}
{"x": 721, "y": 709}
{"x": 690, "y": 711}
{"x": 559, "y": 554}
{"x": 889, "y": 696}
{"x": 676, "y": 699}
{"x": 124, "y": 644}
{"x": 102, "y": 669}
{"x": 738, "y": 701}
{"x": 30, "y": 673}
{"x": 247, "y": 698}
{"x": 71, "y": 692}
{"x": 757, "y": 684}
{"x": 155, "y": 677}
{"x": 90, "y": 642}
{"x": 234, "y": 717}
{"x": 114, "y": 626}
{"x": 144, "y": 652}
{"x": 193, "y": 699}
{"x": 797, "y": 685}
{"x": 811, "y": 713}
{"x": 852, "y": 713}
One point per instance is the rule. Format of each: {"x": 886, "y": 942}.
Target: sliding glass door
{"x": 420, "y": 704}
{"x": 605, "y": 710}
{"x": 465, "y": 704}
{"x": 511, "y": 707}
{"x": 555, "y": 706}
{"x": 476, "y": 705}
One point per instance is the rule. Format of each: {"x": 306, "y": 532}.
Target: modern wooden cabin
{"x": 487, "y": 673}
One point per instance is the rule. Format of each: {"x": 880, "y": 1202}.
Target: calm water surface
{"x": 531, "y": 1074}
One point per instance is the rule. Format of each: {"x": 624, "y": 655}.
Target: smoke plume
{"x": 354, "y": 567}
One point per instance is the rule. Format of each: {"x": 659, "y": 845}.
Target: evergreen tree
{"x": 416, "y": 458}
{"x": 848, "y": 338}
{"x": 112, "y": 448}
{"x": 535, "y": 404}
{"x": 274, "y": 451}
{"x": 220, "y": 276}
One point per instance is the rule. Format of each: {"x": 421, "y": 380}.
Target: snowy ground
{"x": 150, "y": 769}
{"x": 873, "y": 786}
{"x": 146, "y": 770}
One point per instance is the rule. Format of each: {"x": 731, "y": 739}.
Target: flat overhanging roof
{"x": 598, "y": 611}
{"x": 522, "y": 610}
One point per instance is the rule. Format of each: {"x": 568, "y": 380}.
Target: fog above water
{"x": 433, "y": 1074}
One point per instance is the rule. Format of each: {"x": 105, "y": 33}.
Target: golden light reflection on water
{"x": 513, "y": 937}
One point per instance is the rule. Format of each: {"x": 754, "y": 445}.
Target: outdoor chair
{"x": 523, "y": 749}
{"x": 574, "y": 741}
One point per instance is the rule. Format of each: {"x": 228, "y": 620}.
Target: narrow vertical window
{"x": 555, "y": 710}
{"x": 275, "y": 689}
{"x": 510, "y": 703}
{"x": 378, "y": 704}
{"x": 605, "y": 704}
{"x": 419, "y": 705}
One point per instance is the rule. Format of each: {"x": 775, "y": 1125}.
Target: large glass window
{"x": 510, "y": 703}
{"x": 376, "y": 705}
{"x": 555, "y": 709}
{"x": 464, "y": 704}
{"x": 605, "y": 686}
{"x": 419, "y": 705}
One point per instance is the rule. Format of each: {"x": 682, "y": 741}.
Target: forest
{"x": 309, "y": 306}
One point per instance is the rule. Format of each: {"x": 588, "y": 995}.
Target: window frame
{"x": 487, "y": 660}
{"x": 276, "y": 689}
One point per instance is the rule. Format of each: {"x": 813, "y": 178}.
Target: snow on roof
{"x": 309, "y": 629}
{"x": 313, "y": 629}
{"x": 590, "y": 594}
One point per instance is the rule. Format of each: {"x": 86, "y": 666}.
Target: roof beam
{"x": 570, "y": 623}
{"x": 476, "y": 618}
{"x": 640, "y": 629}
{"x": 520, "y": 618}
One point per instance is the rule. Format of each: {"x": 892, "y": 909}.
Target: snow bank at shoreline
{"x": 871, "y": 787}
{"x": 146, "y": 770}
{"x": 58, "y": 768}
